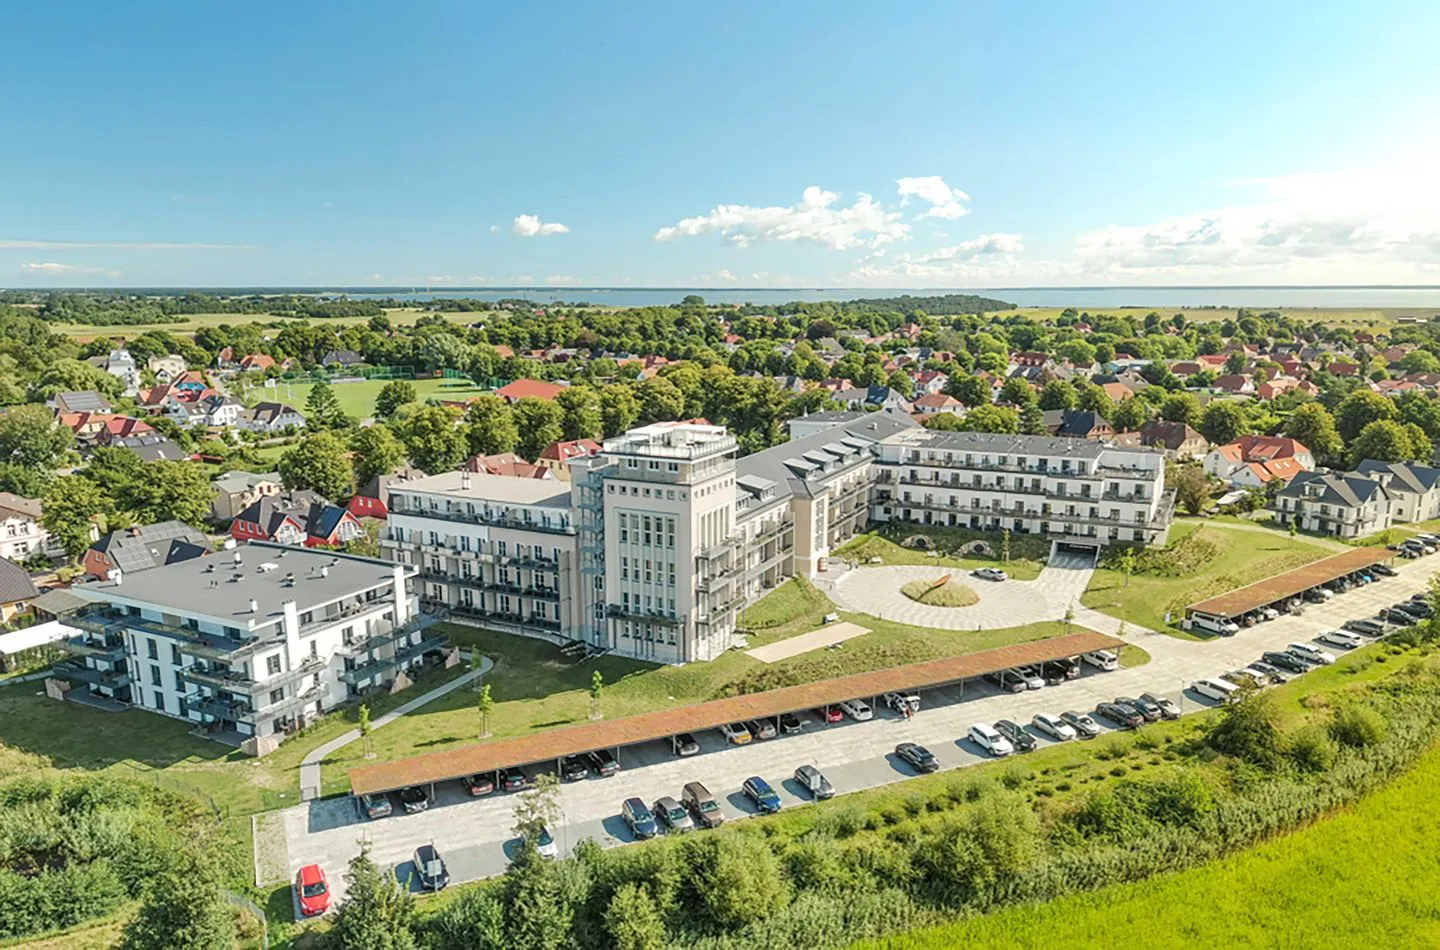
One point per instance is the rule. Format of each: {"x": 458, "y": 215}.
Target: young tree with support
{"x": 365, "y": 728}
{"x": 485, "y": 706}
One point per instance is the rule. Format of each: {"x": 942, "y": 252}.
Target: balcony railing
{"x": 620, "y": 612}
{"x": 380, "y": 668}
{"x": 505, "y": 617}
{"x": 111, "y": 648}
{"x": 109, "y": 679}
{"x": 491, "y": 519}
{"x": 217, "y": 707}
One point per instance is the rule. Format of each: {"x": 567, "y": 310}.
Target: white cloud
{"x": 944, "y": 201}
{"x": 561, "y": 279}
{"x": 482, "y": 280}
{"x": 51, "y": 269}
{"x": 530, "y": 225}
{"x": 863, "y": 224}
{"x": 494, "y": 229}
{"x": 440, "y": 279}
{"x": 721, "y": 276}
{"x": 24, "y": 244}
{"x": 988, "y": 256}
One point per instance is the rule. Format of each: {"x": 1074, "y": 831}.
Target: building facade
{"x": 248, "y": 644}
{"x": 1344, "y": 504}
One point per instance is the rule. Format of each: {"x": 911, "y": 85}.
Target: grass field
{"x": 1355, "y": 318}
{"x": 1321, "y": 887}
{"x": 358, "y": 398}
{"x": 866, "y": 546}
{"x": 949, "y": 594}
{"x": 1241, "y": 556}
{"x": 194, "y": 321}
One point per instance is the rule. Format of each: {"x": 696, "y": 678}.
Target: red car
{"x": 312, "y": 891}
{"x": 830, "y": 714}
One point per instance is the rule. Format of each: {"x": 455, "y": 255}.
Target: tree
{"x": 1125, "y": 562}
{"x": 632, "y": 920}
{"x": 538, "y": 807}
{"x": 182, "y": 908}
{"x": 318, "y": 463}
{"x": 474, "y": 920}
{"x": 597, "y": 686}
{"x": 1312, "y": 426}
{"x": 490, "y": 426}
{"x": 485, "y": 706}
{"x": 1422, "y": 449}
{"x": 364, "y": 727}
{"x": 377, "y": 913}
{"x": 660, "y": 400}
{"x": 1249, "y": 730}
{"x": 1420, "y": 361}
{"x": 541, "y": 897}
{"x": 393, "y": 395}
{"x": 619, "y": 409}
{"x": 539, "y": 423}
{"x": 1222, "y": 422}
{"x": 1077, "y": 352}
{"x": 581, "y": 417}
{"x": 1129, "y": 414}
{"x": 31, "y": 438}
{"x": 71, "y": 504}
{"x": 971, "y": 390}
{"x": 991, "y": 419}
{"x": 1359, "y": 409}
{"x": 322, "y": 406}
{"x": 1058, "y": 394}
{"x": 737, "y": 879}
{"x": 434, "y": 442}
{"x": 1093, "y": 398}
{"x": 1032, "y": 420}
{"x": 374, "y": 452}
{"x": 1192, "y": 489}
{"x": 1383, "y": 440}
{"x": 1181, "y": 407}
{"x": 170, "y": 491}
{"x": 901, "y": 382}
{"x": 1018, "y": 392}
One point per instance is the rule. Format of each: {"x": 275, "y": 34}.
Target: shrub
{"x": 1247, "y": 730}
{"x": 1312, "y": 749}
{"x": 1358, "y": 726}
{"x": 735, "y": 879}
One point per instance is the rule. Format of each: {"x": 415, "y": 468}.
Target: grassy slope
{"x": 1320, "y": 887}
{"x": 1242, "y": 556}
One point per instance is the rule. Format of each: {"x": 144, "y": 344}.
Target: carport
{"x": 1282, "y": 587}
{"x": 556, "y": 744}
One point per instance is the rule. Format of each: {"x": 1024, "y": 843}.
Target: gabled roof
{"x": 151, "y": 545}
{"x": 1334, "y": 488}
{"x": 788, "y": 464}
{"x": 15, "y": 584}
{"x": 1407, "y": 476}
{"x": 85, "y": 400}
{"x": 310, "y": 512}
{"x": 564, "y": 451}
{"x": 529, "y": 389}
{"x": 20, "y": 505}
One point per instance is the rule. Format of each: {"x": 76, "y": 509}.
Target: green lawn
{"x": 1352, "y": 318}
{"x": 1321, "y": 887}
{"x": 1024, "y": 564}
{"x": 195, "y": 321}
{"x": 358, "y": 398}
{"x": 1235, "y": 556}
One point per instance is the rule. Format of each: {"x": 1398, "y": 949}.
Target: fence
{"x": 369, "y": 372}
{"x": 249, "y": 905}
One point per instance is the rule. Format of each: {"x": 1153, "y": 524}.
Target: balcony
{"x": 385, "y": 637}
{"x": 505, "y": 618}
{"x": 106, "y": 679}
{"x": 382, "y": 667}
{"x": 110, "y": 648}
{"x": 218, "y": 677}
{"x": 291, "y": 703}
{"x": 619, "y": 612}
{"x": 492, "y": 519}
{"x": 217, "y": 707}
{"x": 346, "y": 612}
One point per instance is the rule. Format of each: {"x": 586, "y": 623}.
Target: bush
{"x": 1358, "y": 726}
{"x": 1312, "y": 749}
{"x": 735, "y": 879}
{"x": 1247, "y": 730}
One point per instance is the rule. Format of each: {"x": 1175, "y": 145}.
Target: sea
{"x": 1081, "y": 298}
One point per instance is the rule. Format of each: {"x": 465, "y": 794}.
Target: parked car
{"x": 790, "y": 724}
{"x": 902, "y": 701}
{"x": 1143, "y": 706}
{"x": 759, "y": 791}
{"x": 1268, "y": 613}
{"x": 1105, "y": 660}
{"x": 813, "y": 781}
{"x": 1384, "y": 570}
{"x": 1167, "y": 707}
{"x": 1054, "y": 727}
{"x": 987, "y": 738}
{"x": 1310, "y": 654}
{"x": 830, "y": 714}
{"x": 1433, "y": 539}
{"x": 430, "y": 868}
{"x": 513, "y": 780}
{"x": 1084, "y": 726}
{"x": 673, "y": 815}
{"x": 702, "y": 805}
{"x": 1007, "y": 680}
{"x": 1317, "y": 595}
{"x": 1286, "y": 662}
{"x": 1247, "y": 678}
{"x": 640, "y": 819}
{"x": 735, "y": 733}
{"x": 1398, "y": 617}
{"x": 1031, "y": 676}
{"x": 1122, "y": 715}
{"x": 1016, "y": 734}
{"x": 1275, "y": 674}
{"x": 1060, "y": 670}
{"x": 1340, "y": 638}
{"x": 684, "y": 744}
{"x": 481, "y": 783}
{"x": 1419, "y": 609}
{"x": 857, "y": 709}
{"x": 761, "y": 728}
{"x": 414, "y": 799}
{"x": 989, "y": 574}
{"x": 1369, "y": 628}
{"x": 545, "y": 843}
{"x": 374, "y": 806}
{"x": 603, "y": 764}
{"x": 1217, "y": 688}
{"x": 573, "y": 768}
{"x": 917, "y": 757}
{"x": 312, "y": 891}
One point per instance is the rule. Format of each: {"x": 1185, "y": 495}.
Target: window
{"x": 159, "y": 699}
{"x": 272, "y": 665}
{"x": 152, "y": 650}
{"x": 277, "y": 696}
{"x": 174, "y": 655}
{"x": 155, "y": 679}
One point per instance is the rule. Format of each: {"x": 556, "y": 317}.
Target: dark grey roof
{"x": 85, "y": 400}
{"x": 1405, "y": 475}
{"x": 187, "y": 586}
{"x": 1001, "y": 444}
{"x": 15, "y": 584}
{"x": 151, "y": 545}
{"x": 151, "y": 448}
{"x": 788, "y": 464}
{"x": 833, "y": 416}
{"x": 1333, "y": 488}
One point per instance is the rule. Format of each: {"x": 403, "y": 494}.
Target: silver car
{"x": 672, "y": 815}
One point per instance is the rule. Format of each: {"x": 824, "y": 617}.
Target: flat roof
{"x": 1242, "y": 600}
{"x": 493, "y": 488}
{"x": 593, "y": 736}
{"x": 186, "y": 585}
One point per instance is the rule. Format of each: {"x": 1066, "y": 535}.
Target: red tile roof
{"x": 529, "y": 389}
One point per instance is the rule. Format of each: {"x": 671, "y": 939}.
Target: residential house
{"x": 1414, "y": 489}
{"x": 557, "y": 455}
{"x": 269, "y": 417}
{"x": 256, "y": 363}
{"x": 1183, "y": 368}
{"x": 1077, "y": 424}
{"x": 86, "y": 400}
{"x": 1280, "y": 385}
{"x": 167, "y": 367}
{"x": 1234, "y": 383}
{"x": 211, "y": 410}
{"x": 298, "y": 517}
{"x": 120, "y": 364}
{"x": 127, "y": 550}
{"x": 873, "y": 397}
{"x": 505, "y": 463}
{"x": 1343, "y": 368}
{"x": 1251, "y": 461}
{"x": 932, "y": 403}
{"x": 372, "y": 500}
{"x": 21, "y": 532}
{"x": 1343, "y": 504}
{"x": 345, "y": 359}
{"x": 17, "y": 592}
{"x": 236, "y": 491}
{"x": 1118, "y": 392}
{"x": 929, "y": 381}
{"x": 151, "y": 447}
{"x": 1178, "y": 439}
{"x": 529, "y": 389}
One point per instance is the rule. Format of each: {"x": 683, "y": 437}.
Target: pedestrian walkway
{"x": 310, "y": 765}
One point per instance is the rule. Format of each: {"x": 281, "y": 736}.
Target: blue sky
{"x": 676, "y": 144}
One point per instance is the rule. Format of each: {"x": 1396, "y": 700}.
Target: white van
{"x": 1225, "y": 628}
{"x": 1220, "y": 690}
{"x": 1102, "y": 660}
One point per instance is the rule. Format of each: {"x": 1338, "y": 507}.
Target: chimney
{"x": 253, "y": 605}
{"x": 325, "y": 570}
{"x": 464, "y": 481}
{"x": 117, "y": 576}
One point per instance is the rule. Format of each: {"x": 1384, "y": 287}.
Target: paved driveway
{"x": 1011, "y": 603}
{"x": 475, "y": 837}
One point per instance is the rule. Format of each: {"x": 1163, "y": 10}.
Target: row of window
{"x": 647, "y": 571}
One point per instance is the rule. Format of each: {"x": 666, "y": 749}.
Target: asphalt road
{"x": 474, "y": 834}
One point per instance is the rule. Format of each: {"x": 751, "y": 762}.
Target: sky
{"x": 737, "y": 144}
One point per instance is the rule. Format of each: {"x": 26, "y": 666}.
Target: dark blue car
{"x": 640, "y": 819}
{"x": 760, "y": 792}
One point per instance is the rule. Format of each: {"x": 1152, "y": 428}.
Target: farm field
{"x": 1359, "y": 318}
{"x": 194, "y": 321}
{"x": 358, "y": 398}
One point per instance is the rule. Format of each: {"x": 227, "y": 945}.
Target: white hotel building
{"x": 659, "y": 540}
{"x": 249, "y": 644}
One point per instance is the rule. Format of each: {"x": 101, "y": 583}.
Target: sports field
{"x": 358, "y": 398}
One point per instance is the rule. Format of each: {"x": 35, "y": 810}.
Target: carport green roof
{"x": 1242, "y": 600}
{"x": 594, "y": 736}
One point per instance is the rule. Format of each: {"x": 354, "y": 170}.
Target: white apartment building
{"x": 1081, "y": 494}
{"x": 248, "y": 644}
{"x": 1345, "y": 504}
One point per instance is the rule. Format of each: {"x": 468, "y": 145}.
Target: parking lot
{"x": 475, "y": 837}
